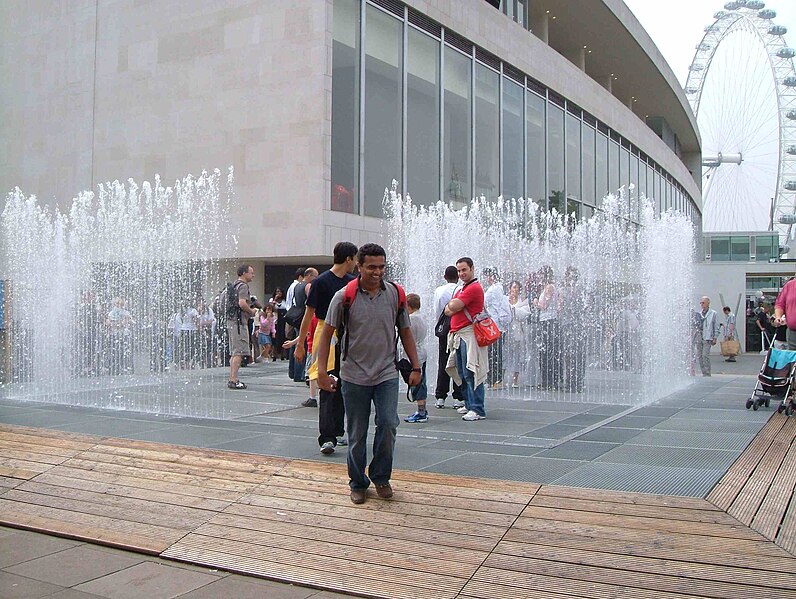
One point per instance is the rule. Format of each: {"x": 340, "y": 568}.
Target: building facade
{"x": 320, "y": 104}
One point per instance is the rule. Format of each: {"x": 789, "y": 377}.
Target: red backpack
{"x": 349, "y": 295}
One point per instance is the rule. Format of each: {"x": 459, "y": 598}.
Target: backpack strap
{"x": 349, "y": 295}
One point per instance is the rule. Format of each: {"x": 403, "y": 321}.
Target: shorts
{"x": 264, "y": 339}
{"x": 238, "y": 336}
{"x": 312, "y": 369}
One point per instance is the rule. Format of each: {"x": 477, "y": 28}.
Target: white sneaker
{"x": 462, "y": 410}
{"x": 457, "y": 404}
{"x": 470, "y": 416}
{"x": 327, "y": 448}
{"x": 440, "y": 403}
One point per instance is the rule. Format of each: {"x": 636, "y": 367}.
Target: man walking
{"x": 497, "y": 306}
{"x": 291, "y": 331}
{"x": 468, "y": 363}
{"x": 710, "y": 332}
{"x": 442, "y": 295}
{"x": 331, "y": 413}
{"x": 368, "y": 370}
{"x": 299, "y": 305}
{"x": 238, "y": 327}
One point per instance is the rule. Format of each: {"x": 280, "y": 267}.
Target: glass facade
{"x": 414, "y": 102}
{"x": 754, "y": 247}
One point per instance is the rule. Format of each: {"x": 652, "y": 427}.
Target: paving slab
{"x": 147, "y": 579}
{"x": 73, "y": 566}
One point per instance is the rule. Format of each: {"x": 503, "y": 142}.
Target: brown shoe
{"x": 358, "y": 496}
{"x": 384, "y": 491}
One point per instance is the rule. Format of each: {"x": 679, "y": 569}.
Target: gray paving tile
{"x": 554, "y": 431}
{"x": 609, "y": 434}
{"x": 147, "y": 579}
{"x": 633, "y": 421}
{"x": 47, "y": 418}
{"x": 271, "y": 444}
{"x": 506, "y": 467}
{"x": 411, "y": 457}
{"x": 20, "y": 587}
{"x": 657, "y": 411}
{"x": 577, "y": 450}
{"x": 19, "y": 546}
{"x": 583, "y": 420}
{"x": 488, "y": 448}
{"x": 72, "y": 594}
{"x": 113, "y": 427}
{"x": 607, "y": 409}
{"x": 717, "y": 426}
{"x": 249, "y": 588}
{"x": 73, "y": 566}
{"x": 488, "y": 426}
{"x": 728, "y": 441}
{"x": 679, "y": 457}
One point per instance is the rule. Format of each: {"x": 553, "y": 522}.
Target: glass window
{"x": 634, "y": 194}
{"x": 535, "y": 122}
{"x": 587, "y": 212}
{"x": 720, "y": 249}
{"x": 422, "y": 118}
{"x": 602, "y": 168}
{"x": 574, "y": 208}
{"x": 642, "y": 179}
{"x": 573, "y": 157}
{"x": 383, "y": 83}
{"x": 739, "y": 248}
{"x": 589, "y": 193}
{"x": 656, "y": 188}
{"x": 345, "y": 106}
{"x": 764, "y": 248}
{"x": 513, "y": 171}
{"x": 487, "y": 130}
{"x": 458, "y": 81}
{"x": 613, "y": 167}
{"x": 555, "y": 158}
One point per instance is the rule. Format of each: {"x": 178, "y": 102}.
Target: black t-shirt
{"x": 764, "y": 322}
{"x": 323, "y": 289}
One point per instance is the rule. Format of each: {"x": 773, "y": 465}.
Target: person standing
{"x": 710, "y": 332}
{"x": 549, "y": 304}
{"x": 729, "y": 329}
{"x": 299, "y": 304}
{"x": 418, "y": 393}
{"x": 330, "y": 414}
{"x": 442, "y": 295}
{"x": 292, "y": 331}
{"x": 238, "y": 327}
{"x": 468, "y": 362}
{"x": 368, "y": 372}
{"x": 765, "y": 326}
{"x": 785, "y": 312}
{"x": 497, "y": 306}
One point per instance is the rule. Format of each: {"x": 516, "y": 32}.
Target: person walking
{"x": 497, "y": 306}
{"x": 468, "y": 362}
{"x": 710, "y": 332}
{"x": 292, "y": 330}
{"x": 238, "y": 327}
{"x": 368, "y": 370}
{"x": 442, "y": 295}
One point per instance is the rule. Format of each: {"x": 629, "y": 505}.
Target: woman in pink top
{"x": 267, "y": 331}
{"x": 785, "y": 311}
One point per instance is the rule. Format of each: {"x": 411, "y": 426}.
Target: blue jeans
{"x": 473, "y": 396}
{"x": 356, "y": 399}
{"x": 420, "y": 392}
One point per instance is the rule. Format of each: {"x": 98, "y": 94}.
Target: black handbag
{"x": 443, "y": 326}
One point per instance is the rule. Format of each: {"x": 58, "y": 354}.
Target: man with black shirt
{"x": 331, "y": 412}
{"x": 238, "y": 328}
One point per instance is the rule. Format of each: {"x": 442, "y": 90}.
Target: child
{"x": 418, "y": 325}
{"x": 267, "y": 331}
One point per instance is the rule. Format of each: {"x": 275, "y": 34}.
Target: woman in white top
{"x": 549, "y": 334}
{"x": 516, "y": 347}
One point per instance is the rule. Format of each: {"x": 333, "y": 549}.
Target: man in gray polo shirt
{"x": 368, "y": 370}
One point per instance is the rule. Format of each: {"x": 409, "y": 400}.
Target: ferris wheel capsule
{"x": 791, "y": 114}
{"x": 767, "y": 14}
{"x": 777, "y": 30}
{"x": 789, "y": 185}
{"x": 791, "y": 150}
{"x": 696, "y": 67}
{"x": 704, "y": 47}
{"x": 786, "y": 53}
{"x": 691, "y": 90}
{"x": 789, "y": 81}
{"x": 732, "y": 5}
{"x": 719, "y": 14}
{"x": 755, "y": 5}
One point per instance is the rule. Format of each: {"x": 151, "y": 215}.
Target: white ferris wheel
{"x": 742, "y": 89}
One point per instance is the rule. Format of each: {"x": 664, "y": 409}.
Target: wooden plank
{"x": 367, "y": 512}
{"x": 53, "y": 436}
{"x": 737, "y": 531}
{"x": 759, "y": 547}
{"x": 626, "y": 497}
{"x": 33, "y": 446}
{"x": 654, "y": 546}
{"x": 657, "y": 582}
{"x": 456, "y": 540}
{"x": 475, "y": 513}
{"x": 11, "y": 464}
{"x": 571, "y": 586}
{"x": 17, "y": 473}
{"x": 786, "y": 536}
{"x": 731, "y": 573}
{"x": 17, "y": 453}
{"x": 734, "y": 480}
{"x": 630, "y": 509}
{"x": 779, "y": 496}
{"x": 475, "y": 589}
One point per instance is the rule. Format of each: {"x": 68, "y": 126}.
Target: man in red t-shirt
{"x": 468, "y": 361}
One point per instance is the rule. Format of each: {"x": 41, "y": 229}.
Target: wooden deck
{"x": 439, "y": 537}
{"x": 760, "y": 487}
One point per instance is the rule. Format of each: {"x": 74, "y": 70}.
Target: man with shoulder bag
{"x": 442, "y": 295}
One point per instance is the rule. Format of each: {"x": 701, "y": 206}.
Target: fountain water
{"x": 98, "y": 295}
{"x": 619, "y": 331}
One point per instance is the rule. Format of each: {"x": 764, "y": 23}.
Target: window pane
{"x": 589, "y": 193}
{"x": 624, "y": 176}
{"x": 512, "y": 140}
{"x": 555, "y": 158}
{"x": 587, "y": 212}
{"x": 634, "y": 195}
{"x": 383, "y": 81}
{"x": 573, "y": 158}
{"x": 458, "y": 79}
{"x": 720, "y": 249}
{"x": 422, "y": 118}
{"x": 602, "y": 168}
{"x": 739, "y": 248}
{"x": 535, "y": 122}
{"x": 487, "y": 128}
{"x": 613, "y": 167}
{"x": 345, "y": 106}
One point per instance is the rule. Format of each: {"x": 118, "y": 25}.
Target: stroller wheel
{"x": 768, "y": 402}
{"x": 748, "y": 403}
{"x": 780, "y": 408}
{"x": 756, "y": 405}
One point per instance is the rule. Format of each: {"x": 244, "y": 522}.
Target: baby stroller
{"x": 775, "y": 379}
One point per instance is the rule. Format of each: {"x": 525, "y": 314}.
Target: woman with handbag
{"x": 730, "y": 347}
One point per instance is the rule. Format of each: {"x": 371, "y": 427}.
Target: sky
{"x": 677, "y": 26}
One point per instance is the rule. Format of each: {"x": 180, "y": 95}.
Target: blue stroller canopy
{"x": 780, "y": 358}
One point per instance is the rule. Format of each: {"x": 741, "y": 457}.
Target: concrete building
{"x": 320, "y": 104}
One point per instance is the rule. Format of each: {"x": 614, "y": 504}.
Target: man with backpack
{"x": 237, "y": 313}
{"x": 365, "y": 314}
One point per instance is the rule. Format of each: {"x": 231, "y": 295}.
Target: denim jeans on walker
{"x": 473, "y": 397}
{"x": 357, "y": 399}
